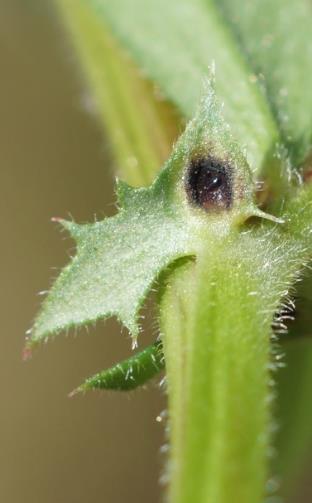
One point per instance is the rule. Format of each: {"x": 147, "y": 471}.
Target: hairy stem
{"x": 219, "y": 385}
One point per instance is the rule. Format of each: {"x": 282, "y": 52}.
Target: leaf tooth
{"x": 267, "y": 216}
{"x": 70, "y": 226}
{"x": 26, "y": 353}
{"x": 124, "y": 193}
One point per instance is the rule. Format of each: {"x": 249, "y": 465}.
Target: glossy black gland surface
{"x": 209, "y": 184}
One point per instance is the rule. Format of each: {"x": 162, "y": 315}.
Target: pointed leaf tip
{"x": 266, "y": 216}
{"x": 124, "y": 193}
{"x": 26, "y": 354}
{"x": 71, "y": 227}
{"x": 128, "y": 374}
{"x": 75, "y": 392}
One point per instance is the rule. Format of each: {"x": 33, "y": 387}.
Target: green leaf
{"x": 174, "y": 43}
{"x": 128, "y": 374}
{"x": 116, "y": 263}
{"x": 276, "y": 39}
{"x": 119, "y": 258}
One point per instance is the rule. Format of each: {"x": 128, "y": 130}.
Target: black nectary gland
{"x": 209, "y": 184}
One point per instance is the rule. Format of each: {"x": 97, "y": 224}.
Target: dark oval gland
{"x": 209, "y": 184}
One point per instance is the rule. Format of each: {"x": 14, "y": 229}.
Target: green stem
{"x": 141, "y": 127}
{"x": 218, "y": 382}
{"x": 175, "y": 296}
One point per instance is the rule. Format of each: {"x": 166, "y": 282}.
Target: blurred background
{"x": 54, "y": 160}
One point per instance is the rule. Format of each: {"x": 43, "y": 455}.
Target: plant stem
{"x": 141, "y": 126}
{"x": 219, "y": 386}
